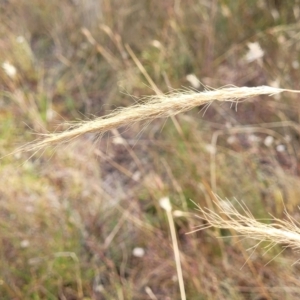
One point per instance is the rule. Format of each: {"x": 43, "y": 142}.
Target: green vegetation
{"x": 84, "y": 221}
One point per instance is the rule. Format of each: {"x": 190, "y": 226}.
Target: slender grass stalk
{"x": 166, "y": 205}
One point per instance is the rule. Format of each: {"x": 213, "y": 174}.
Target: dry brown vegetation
{"x": 84, "y": 220}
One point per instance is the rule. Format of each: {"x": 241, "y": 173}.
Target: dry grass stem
{"x": 278, "y": 231}
{"x": 166, "y": 205}
{"x": 150, "y": 108}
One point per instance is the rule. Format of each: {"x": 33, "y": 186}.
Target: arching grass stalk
{"x": 149, "y": 108}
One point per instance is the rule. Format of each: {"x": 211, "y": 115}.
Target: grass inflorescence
{"x": 160, "y": 106}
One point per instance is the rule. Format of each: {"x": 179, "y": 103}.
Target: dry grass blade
{"x": 160, "y": 106}
{"x": 166, "y": 205}
{"x": 285, "y": 232}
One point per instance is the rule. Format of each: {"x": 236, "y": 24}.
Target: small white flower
{"x": 193, "y": 80}
{"x": 9, "y": 69}
{"x": 136, "y": 176}
{"x": 280, "y": 148}
{"x": 268, "y": 141}
{"x": 20, "y": 39}
{"x": 24, "y": 244}
{"x": 165, "y": 203}
{"x": 231, "y": 140}
{"x": 156, "y": 44}
{"x": 254, "y": 53}
{"x": 138, "y": 252}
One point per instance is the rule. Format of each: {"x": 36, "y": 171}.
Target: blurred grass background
{"x": 84, "y": 221}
